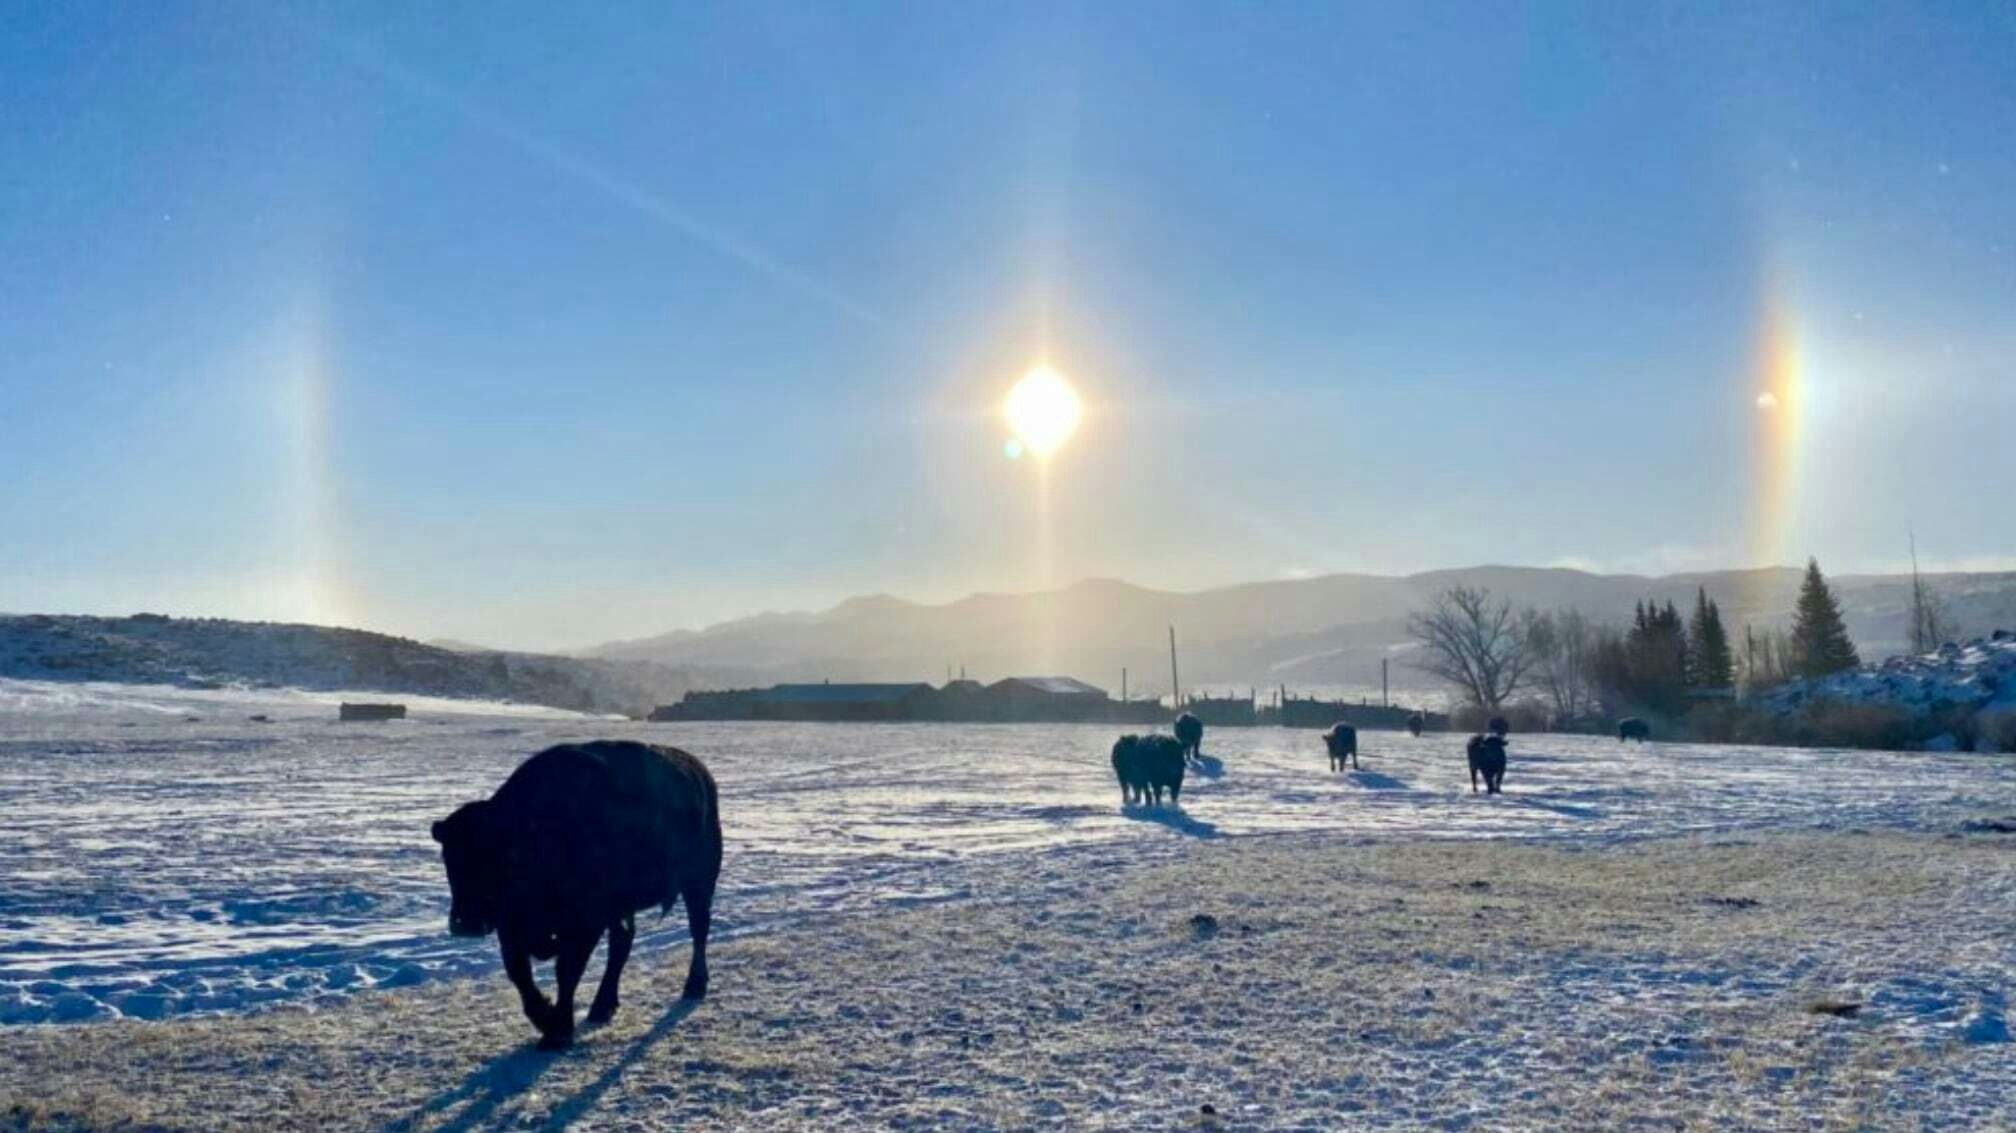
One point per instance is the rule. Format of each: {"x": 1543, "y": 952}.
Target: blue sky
{"x": 541, "y": 327}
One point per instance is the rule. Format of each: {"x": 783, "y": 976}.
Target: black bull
{"x": 1190, "y": 733}
{"x": 1146, "y": 766}
{"x": 577, "y": 841}
{"x": 1342, "y": 742}
{"x": 1487, "y": 758}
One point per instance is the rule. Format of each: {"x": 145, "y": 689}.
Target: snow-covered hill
{"x": 1978, "y": 677}
{"x": 151, "y": 649}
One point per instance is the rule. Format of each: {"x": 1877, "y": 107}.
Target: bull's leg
{"x": 1354, "y": 760}
{"x": 567, "y": 970}
{"x": 699, "y": 898}
{"x": 622, "y": 932}
{"x": 1473, "y": 780}
{"x": 518, "y": 966}
{"x": 1175, "y": 794}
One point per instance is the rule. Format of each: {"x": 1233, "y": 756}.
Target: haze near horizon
{"x": 544, "y": 329}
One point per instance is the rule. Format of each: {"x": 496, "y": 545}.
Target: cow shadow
{"x": 1172, "y": 817}
{"x": 479, "y": 1094}
{"x": 1374, "y": 781}
{"x": 509, "y": 1076}
{"x": 574, "y": 1107}
{"x": 1566, "y": 810}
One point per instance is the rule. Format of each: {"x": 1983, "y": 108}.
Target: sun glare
{"x": 1043, "y": 410}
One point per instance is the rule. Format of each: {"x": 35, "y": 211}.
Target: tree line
{"x": 1496, "y": 655}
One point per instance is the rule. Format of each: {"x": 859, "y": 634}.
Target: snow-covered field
{"x": 164, "y": 854}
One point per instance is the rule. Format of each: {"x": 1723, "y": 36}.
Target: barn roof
{"x": 1054, "y": 686}
{"x": 842, "y": 694}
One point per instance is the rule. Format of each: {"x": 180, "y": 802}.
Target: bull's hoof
{"x": 553, "y": 1041}
{"x": 601, "y": 1013}
{"x": 695, "y": 990}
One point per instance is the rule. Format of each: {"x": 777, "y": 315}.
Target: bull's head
{"x": 471, "y": 851}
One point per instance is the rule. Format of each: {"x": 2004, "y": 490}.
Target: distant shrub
{"x": 1822, "y": 723}
{"x": 1524, "y": 716}
{"x": 1995, "y": 731}
{"x": 1722, "y": 724}
{"x": 1841, "y": 723}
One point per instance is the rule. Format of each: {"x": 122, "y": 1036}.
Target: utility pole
{"x": 1123, "y": 684}
{"x": 1175, "y": 684}
{"x": 1385, "y": 699}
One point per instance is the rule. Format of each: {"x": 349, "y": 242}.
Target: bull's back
{"x": 627, "y": 822}
{"x": 1163, "y": 758}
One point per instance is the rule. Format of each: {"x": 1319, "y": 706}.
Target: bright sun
{"x": 1043, "y": 410}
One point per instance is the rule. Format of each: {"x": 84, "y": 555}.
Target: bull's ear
{"x": 441, "y": 832}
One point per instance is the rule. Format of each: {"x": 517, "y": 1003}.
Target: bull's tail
{"x": 708, "y": 860}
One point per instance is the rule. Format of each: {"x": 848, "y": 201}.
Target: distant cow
{"x": 577, "y": 841}
{"x": 1414, "y": 725}
{"x": 1342, "y": 740}
{"x": 1190, "y": 733}
{"x": 1146, "y": 766}
{"x": 1498, "y": 726}
{"x": 1632, "y": 728}
{"x": 1127, "y": 769}
{"x": 1487, "y": 760}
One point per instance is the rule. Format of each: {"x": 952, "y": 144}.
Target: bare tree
{"x": 1766, "y": 660}
{"x": 1931, "y": 627}
{"x": 1475, "y": 644}
{"x": 1563, "y": 648}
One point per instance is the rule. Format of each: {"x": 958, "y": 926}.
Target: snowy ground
{"x": 158, "y": 865}
{"x": 1303, "y": 982}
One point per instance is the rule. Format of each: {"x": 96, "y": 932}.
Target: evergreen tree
{"x": 1709, "y": 664}
{"x": 1675, "y": 631}
{"x": 1820, "y": 642}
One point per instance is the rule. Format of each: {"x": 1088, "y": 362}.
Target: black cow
{"x": 577, "y": 841}
{"x": 1127, "y": 769}
{"x": 1632, "y": 728}
{"x": 1499, "y": 727}
{"x": 1147, "y": 766}
{"x": 1414, "y": 725}
{"x": 1487, "y": 759}
{"x": 1342, "y": 740}
{"x": 1190, "y": 733}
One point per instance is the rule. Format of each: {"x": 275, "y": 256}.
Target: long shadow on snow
{"x": 508, "y": 1076}
{"x": 584, "y": 1099}
{"x": 501, "y": 1079}
{"x": 1374, "y": 781}
{"x": 1173, "y": 818}
{"x": 1566, "y": 810}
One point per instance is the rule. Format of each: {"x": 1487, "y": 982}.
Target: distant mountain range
{"x": 153, "y": 649}
{"x": 1320, "y": 632}
{"x": 1311, "y": 634}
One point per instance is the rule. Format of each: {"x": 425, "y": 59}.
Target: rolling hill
{"x": 1328, "y": 631}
